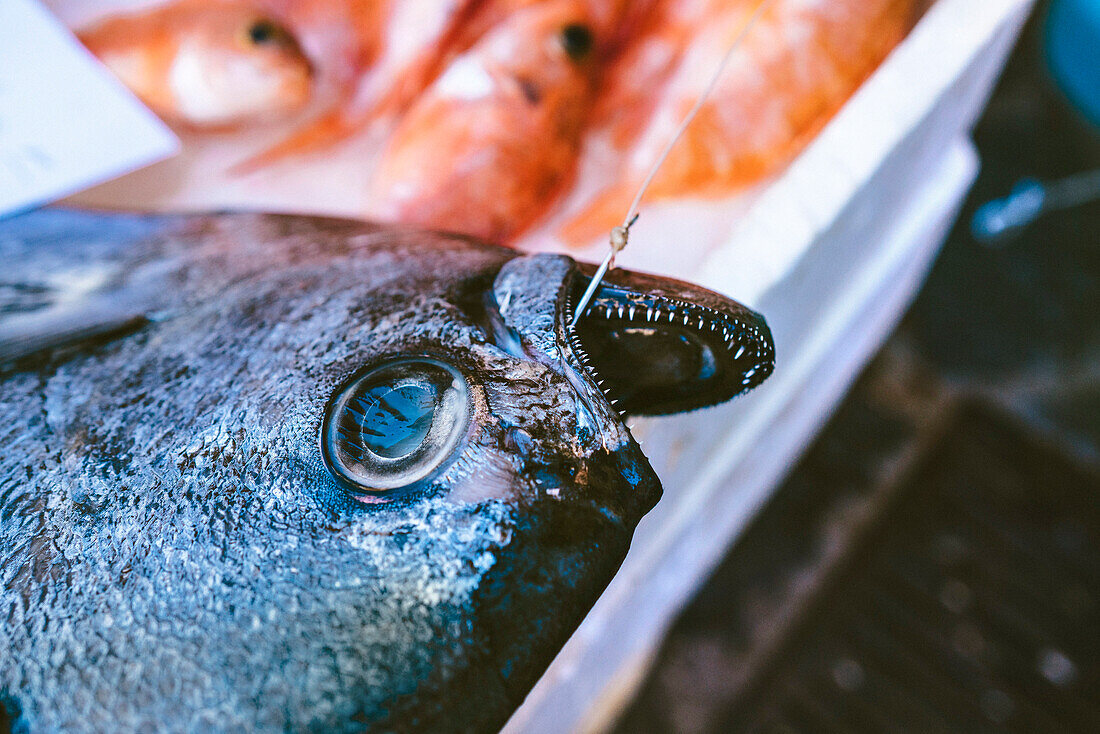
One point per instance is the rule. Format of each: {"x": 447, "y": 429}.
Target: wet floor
{"x": 836, "y": 610}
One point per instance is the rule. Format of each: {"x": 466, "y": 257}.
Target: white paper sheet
{"x": 65, "y": 122}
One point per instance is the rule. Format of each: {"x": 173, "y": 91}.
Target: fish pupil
{"x": 394, "y": 421}
{"x": 576, "y": 39}
{"x": 263, "y": 31}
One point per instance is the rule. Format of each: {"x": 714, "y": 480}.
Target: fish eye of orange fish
{"x": 577, "y": 40}
{"x": 264, "y": 31}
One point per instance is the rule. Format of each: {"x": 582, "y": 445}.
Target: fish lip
{"x": 741, "y": 333}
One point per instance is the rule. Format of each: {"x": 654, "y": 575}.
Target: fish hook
{"x": 620, "y": 235}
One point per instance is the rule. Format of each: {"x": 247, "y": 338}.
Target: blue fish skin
{"x": 182, "y": 550}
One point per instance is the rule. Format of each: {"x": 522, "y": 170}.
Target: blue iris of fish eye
{"x": 395, "y": 425}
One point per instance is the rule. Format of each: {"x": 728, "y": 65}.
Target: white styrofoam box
{"x": 847, "y": 234}
{"x": 605, "y": 660}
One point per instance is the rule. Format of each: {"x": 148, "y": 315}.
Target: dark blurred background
{"x": 933, "y": 562}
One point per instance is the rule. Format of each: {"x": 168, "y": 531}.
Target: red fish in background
{"x": 795, "y": 69}
{"x": 410, "y": 42}
{"x": 494, "y": 141}
{"x": 421, "y": 40}
{"x": 649, "y": 51}
{"x": 207, "y": 64}
{"x": 343, "y": 38}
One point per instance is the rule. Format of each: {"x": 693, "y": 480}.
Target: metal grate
{"x": 970, "y": 604}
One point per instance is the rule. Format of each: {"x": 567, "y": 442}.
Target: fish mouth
{"x": 656, "y": 347}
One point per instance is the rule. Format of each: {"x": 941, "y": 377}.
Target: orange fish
{"x": 795, "y": 69}
{"x": 423, "y": 38}
{"x": 409, "y": 46}
{"x": 206, "y": 63}
{"x": 606, "y": 19}
{"x": 494, "y": 141}
{"x": 650, "y": 50}
{"x": 471, "y": 20}
{"x": 343, "y": 38}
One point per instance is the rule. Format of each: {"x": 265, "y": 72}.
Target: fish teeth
{"x": 737, "y": 337}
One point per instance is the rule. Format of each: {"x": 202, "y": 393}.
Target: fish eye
{"x": 576, "y": 39}
{"x": 395, "y": 426}
{"x": 264, "y": 31}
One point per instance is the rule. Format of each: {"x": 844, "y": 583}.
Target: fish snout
{"x": 614, "y": 487}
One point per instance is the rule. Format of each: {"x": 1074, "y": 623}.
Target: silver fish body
{"x": 269, "y": 473}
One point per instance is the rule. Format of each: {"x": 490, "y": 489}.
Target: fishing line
{"x": 621, "y": 235}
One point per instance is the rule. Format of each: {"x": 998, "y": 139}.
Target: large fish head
{"x": 344, "y": 477}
